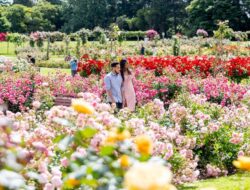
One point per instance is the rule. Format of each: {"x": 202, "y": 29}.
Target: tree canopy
{"x": 170, "y": 17}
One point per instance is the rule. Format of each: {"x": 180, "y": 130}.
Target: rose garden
{"x": 190, "y": 129}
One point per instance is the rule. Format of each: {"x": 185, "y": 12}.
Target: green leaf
{"x": 58, "y": 138}
{"x": 144, "y": 158}
{"x": 83, "y": 136}
{"x": 107, "y": 151}
{"x": 88, "y": 132}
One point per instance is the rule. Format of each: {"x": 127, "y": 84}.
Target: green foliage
{"x": 17, "y": 16}
{"x": 16, "y": 38}
{"x": 206, "y": 13}
{"x": 103, "y": 39}
{"x": 169, "y": 17}
{"x": 166, "y": 92}
{"x": 177, "y": 161}
{"x": 22, "y": 19}
{"x": 114, "y": 32}
{"x": 218, "y": 150}
{"x": 133, "y": 35}
{"x": 84, "y": 35}
{"x": 98, "y": 33}
{"x": 4, "y": 23}
{"x": 224, "y": 31}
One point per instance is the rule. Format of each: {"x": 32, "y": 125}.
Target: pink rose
{"x": 56, "y": 181}
{"x": 48, "y": 186}
{"x": 64, "y": 162}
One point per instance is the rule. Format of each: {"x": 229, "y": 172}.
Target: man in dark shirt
{"x": 142, "y": 50}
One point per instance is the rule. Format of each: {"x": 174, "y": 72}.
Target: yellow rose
{"x": 242, "y": 163}
{"x": 121, "y": 136}
{"x": 115, "y": 136}
{"x": 72, "y": 183}
{"x": 148, "y": 176}
{"x": 124, "y": 161}
{"x": 82, "y": 107}
{"x": 144, "y": 144}
{"x": 111, "y": 139}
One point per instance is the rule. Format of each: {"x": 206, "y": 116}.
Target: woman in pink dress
{"x": 128, "y": 91}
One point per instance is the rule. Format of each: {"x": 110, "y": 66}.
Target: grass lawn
{"x": 49, "y": 71}
{"x": 239, "y": 181}
{"x": 4, "y": 50}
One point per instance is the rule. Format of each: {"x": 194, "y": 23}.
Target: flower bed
{"x": 92, "y": 137}
{"x": 187, "y": 126}
{"x": 236, "y": 68}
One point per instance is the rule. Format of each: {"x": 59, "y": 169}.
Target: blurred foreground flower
{"x": 116, "y": 135}
{"x": 82, "y": 107}
{"x": 148, "y": 176}
{"x": 242, "y": 163}
{"x": 11, "y": 180}
{"x": 71, "y": 183}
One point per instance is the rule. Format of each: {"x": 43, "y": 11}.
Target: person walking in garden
{"x": 142, "y": 50}
{"x": 31, "y": 59}
{"x": 113, "y": 85}
{"x": 73, "y": 67}
{"x": 128, "y": 91}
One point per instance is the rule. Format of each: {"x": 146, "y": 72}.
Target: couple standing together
{"x": 119, "y": 86}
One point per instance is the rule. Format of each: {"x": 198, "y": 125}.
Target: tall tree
{"x": 85, "y": 14}
{"x": 16, "y": 15}
{"x": 4, "y": 23}
{"x": 164, "y": 16}
{"x": 206, "y": 13}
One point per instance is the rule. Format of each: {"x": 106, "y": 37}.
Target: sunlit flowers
{"x": 117, "y": 135}
{"x": 148, "y": 176}
{"x": 82, "y": 107}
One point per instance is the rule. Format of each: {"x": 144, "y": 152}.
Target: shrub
{"x": 16, "y": 38}
{"x": 56, "y": 36}
{"x": 218, "y": 150}
{"x": 133, "y": 35}
{"x": 98, "y": 33}
{"x": 84, "y": 34}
